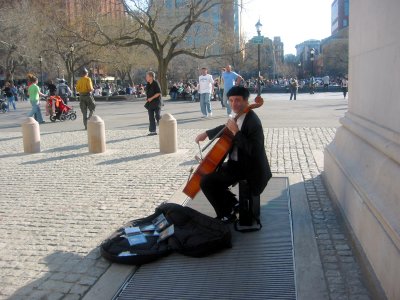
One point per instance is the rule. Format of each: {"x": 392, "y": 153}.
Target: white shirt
{"x": 234, "y": 154}
{"x": 205, "y": 84}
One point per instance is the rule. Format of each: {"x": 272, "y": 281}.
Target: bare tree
{"x": 167, "y": 34}
{"x": 13, "y": 50}
{"x": 335, "y": 57}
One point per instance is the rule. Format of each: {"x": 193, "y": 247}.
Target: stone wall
{"x": 362, "y": 164}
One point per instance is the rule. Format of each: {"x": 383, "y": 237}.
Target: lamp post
{"x": 274, "y": 60}
{"x": 312, "y": 53}
{"x": 94, "y": 74}
{"x": 41, "y": 73}
{"x": 71, "y": 49}
{"x": 299, "y": 65}
{"x": 258, "y": 28}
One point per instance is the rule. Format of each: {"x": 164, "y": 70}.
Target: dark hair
{"x": 239, "y": 91}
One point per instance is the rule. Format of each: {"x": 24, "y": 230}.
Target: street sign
{"x": 257, "y": 40}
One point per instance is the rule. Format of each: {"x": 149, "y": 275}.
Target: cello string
{"x": 201, "y": 154}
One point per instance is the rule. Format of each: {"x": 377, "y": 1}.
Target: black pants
{"x": 344, "y": 90}
{"x": 215, "y": 187}
{"x": 154, "y": 115}
{"x": 293, "y": 92}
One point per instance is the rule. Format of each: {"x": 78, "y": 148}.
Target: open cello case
{"x": 171, "y": 228}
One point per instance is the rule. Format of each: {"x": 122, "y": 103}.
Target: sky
{"x": 295, "y": 21}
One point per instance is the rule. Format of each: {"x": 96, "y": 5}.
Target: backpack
{"x": 62, "y": 91}
{"x": 171, "y": 228}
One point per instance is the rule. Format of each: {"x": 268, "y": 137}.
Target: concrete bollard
{"x": 96, "y": 135}
{"x": 168, "y": 134}
{"x": 31, "y": 135}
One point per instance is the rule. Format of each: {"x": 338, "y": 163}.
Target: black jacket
{"x": 251, "y": 152}
{"x": 152, "y": 89}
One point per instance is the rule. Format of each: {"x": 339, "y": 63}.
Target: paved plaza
{"x": 58, "y": 205}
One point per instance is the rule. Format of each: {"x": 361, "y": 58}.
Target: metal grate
{"x": 259, "y": 266}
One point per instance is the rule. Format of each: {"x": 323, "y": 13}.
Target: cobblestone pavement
{"x": 58, "y": 205}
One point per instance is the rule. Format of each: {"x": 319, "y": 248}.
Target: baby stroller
{"x": 3, "y": 105}
{"x": 57, "y": 109}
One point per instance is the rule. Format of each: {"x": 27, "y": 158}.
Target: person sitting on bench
{"x": 247, "y": 158}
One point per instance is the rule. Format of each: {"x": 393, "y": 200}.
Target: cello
{"x": 217, "y": 154}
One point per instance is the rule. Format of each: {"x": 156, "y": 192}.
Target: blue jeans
{"x": 36, "y": 112}
{"x": 11, "y": 101}
{"x": 205, "y": 103}
{"x": 221, "y": 97}
{"x": 174, "y": 95}
{"x": 227, "y": 104}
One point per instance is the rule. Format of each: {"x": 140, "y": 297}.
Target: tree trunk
{"x": 162, "y": 75}
{"x": 131, "y": 83}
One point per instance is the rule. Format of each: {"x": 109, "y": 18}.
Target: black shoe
{"x": 152, "y": 133}
{"x": 42, "y": 122}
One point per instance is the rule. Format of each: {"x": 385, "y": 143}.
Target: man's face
{"x": 203, "y": 71}
{"x": 238, "y": 104}
{"x": 228, "y": 68}
{"x": 149, "y": 78}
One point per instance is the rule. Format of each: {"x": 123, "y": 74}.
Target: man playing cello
{"x": 247, "y": 158}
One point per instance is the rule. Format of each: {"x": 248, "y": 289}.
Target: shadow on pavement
{"x": 44, "y": 160}
{"x": 129, "y": 158}
{"x": 13, "y": 155}
{"x": 66, "y": 148}
{"x": 126, "y": 139}
{"x": 65, "y": 275}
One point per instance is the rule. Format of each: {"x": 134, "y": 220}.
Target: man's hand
{"x": 232, "y": 126}
{"x": 201, "y": 137}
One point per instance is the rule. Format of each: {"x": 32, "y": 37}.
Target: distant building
{"x": 113, "y": 8}
{"x": 303, "y": 50}
{"x": 223, "y": 22}
{"x": 339, "y": 15}
{"x": 279, "y": 54}
{"x": 75, "y": 8}
{"x": 271, "y": 56}
{"x": 308, "y": 65}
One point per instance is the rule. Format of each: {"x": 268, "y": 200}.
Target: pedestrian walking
{"x": 34, "y": 98}
{"x": 312, "y": 85}
{"x": 206, "y": 89}
{"x": 10, "y": 95}
{"x": 153, "y": 101}
{"x": 230, "y": 79}
{"x": 344, "y": 85}
{"x": 294, "y": 85}
{"x": 84, "y": 87}
{"x": 63, "y": 90}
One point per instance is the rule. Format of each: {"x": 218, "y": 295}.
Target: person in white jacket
{"x": 205, "y": 89}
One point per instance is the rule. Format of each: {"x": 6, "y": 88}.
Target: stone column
{"x": 31, "y": 135}
{"x": 362, "y": 164}
{"x": 96, "y": 135}
{"x": 168, "y": 134}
